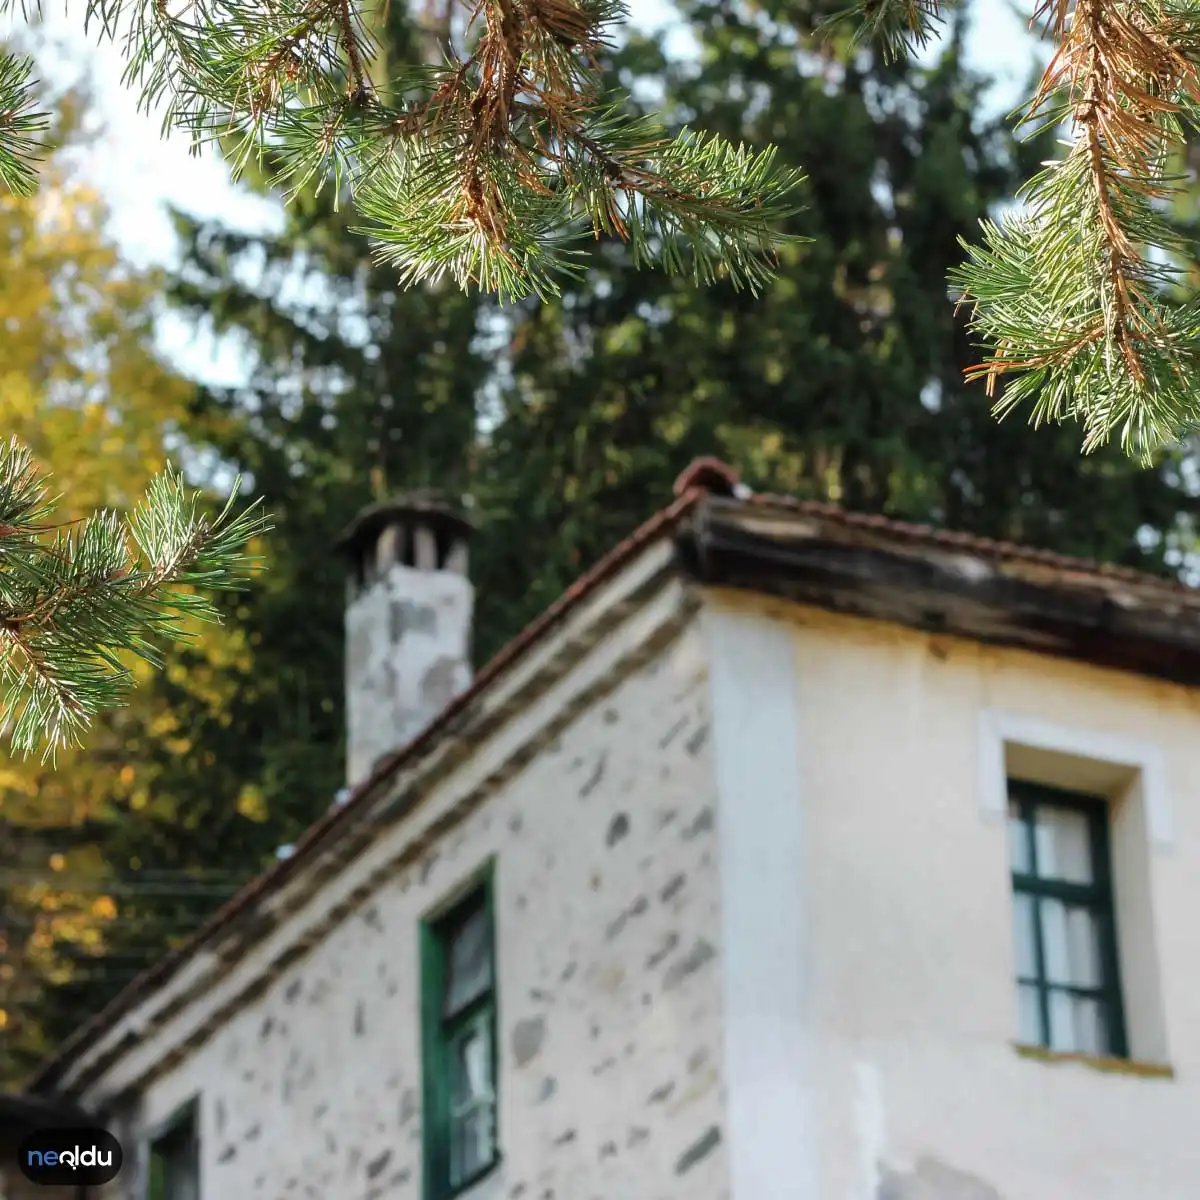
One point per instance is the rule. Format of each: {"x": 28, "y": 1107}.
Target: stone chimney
{"x": 408, "y": 622}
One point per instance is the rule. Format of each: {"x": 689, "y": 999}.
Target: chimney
{"x": 408, "y": 622}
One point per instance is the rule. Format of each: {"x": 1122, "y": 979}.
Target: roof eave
{"x": 1123, "y": 621}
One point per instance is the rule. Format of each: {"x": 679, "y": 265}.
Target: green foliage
{"x": 1040, "y": 290}
{"x": 83, "y": 907}
{"x": 1076, "y": 295}
{"x": 21, "y": 123}
{"x": 895, "y": 26}
{"x": 704, "y": 208}
{"x": 74, "y": 598}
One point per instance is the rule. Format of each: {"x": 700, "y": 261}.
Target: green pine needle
{"x": 74, "y": 599}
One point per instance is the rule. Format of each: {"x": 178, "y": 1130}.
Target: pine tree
{"x": 490, "y": 166}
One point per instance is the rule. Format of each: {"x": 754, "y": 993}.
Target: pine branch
{"x": 486, "y": 170}
{"x": 21, "y": 123}
{"x": 896, "y": 26}
{"x": 1075, "y": 298}
{"x": 74, "y": 598}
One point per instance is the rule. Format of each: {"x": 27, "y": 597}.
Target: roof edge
{"x": 922, "y": 579}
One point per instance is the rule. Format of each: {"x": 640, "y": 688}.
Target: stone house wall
{"x": 609, "y": 990}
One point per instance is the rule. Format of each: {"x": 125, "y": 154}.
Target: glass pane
{"x": 1091, "y": 1030}
{"x": 472, "y": 1075}
{"x": 470, "y": 1143}
{"x": 1062, "y": 1022}
{"x": 1077, "y": 1024}
{"x": 1023, "y": 944}
{"x": 1029, "y": 1016}
{"x": 1018, "y": 842}
{"x": 175, "y": 1167}
{"x": 468, "y": 962}
{"x": 1063, "y": 845}
{"x": 188, "y": 1187}
{"x": 1070, "y": 944}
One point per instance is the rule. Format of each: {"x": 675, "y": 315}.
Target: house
{"x": 791, "y": 855}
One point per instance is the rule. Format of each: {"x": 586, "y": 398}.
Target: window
{"x": 1064, "y": 933}
{"x": 459, "y": 1044}
{"x": 175, "y": 1158}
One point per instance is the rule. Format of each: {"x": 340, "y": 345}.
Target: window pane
{"x": 1070, "y": 944}
{"x": 1023, "y": 944}
{"x": 158, "y": 1177}
{"x": 1029, "y": 1016}
{"x": 468, "y": 962}
{"x": 1077, "y": 1024}
{"x": 472, "y": 1105}
{"x": 1091, "y": 1029}
{"x": 1063, "y": 845}
{"x": 1062, "y": 1022}
{"x": 472, "y": 1078}
{"x": 184, "y": 1183}
{"x": 470, "y": 1144}
{"x": 1018, "y": 841}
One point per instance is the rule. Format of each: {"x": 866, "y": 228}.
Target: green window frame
{"x": 174, "y": 1156}
{"x": 1064, "y": 922}
{"x": 459, "y": 1044}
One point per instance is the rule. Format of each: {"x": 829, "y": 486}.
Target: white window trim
{"x": 998, "y": 728}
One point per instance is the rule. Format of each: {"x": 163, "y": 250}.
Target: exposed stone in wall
{"x": 609, "y": 989}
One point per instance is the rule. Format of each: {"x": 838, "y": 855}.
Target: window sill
{"x": 1111, "y": 1066}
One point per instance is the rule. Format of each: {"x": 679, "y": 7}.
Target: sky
{"x": 140, "y": 173}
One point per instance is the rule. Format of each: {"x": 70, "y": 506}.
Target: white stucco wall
{"x": 901, "y": 882}
{"x": 608, "y": 956}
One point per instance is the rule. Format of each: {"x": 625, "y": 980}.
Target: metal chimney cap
{"x": 426, "y": 505}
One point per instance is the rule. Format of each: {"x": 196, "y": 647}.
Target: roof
{"x": 816, "y": 553}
